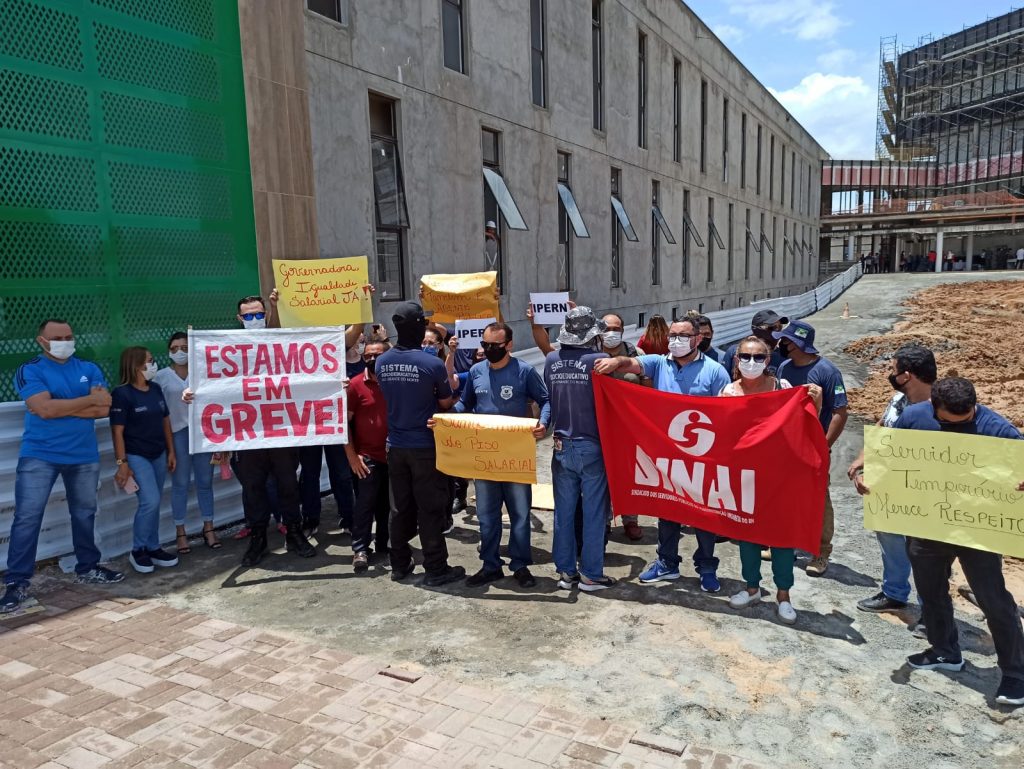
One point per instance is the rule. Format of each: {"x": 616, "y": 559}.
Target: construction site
{"x": 948, "y": 171}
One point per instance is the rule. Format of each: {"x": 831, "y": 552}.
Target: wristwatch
{"x": 120, "y": 462}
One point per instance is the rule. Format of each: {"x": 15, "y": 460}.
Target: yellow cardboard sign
{"x": 486, "y": 447}
{"x": 947, "y": 487}
{"x": 463, "y": 296}
{"x": 323, "y": 292}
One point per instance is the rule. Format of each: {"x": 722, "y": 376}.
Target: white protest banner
{"x": 471, "y": 332}
{"x": 267, "y": 389}
{"x": 549, "y": 309}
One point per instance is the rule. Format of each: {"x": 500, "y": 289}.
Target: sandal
{"x": 182, "y": 543}
{"x": 210, "y": 538}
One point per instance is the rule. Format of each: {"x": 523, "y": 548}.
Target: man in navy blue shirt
{"x": 954, "y": 408}
{"x": 64, "y": 396}
{"x": 804, "y": 365}
{"x": 504, "y": 385}
{"x": 415, "y": 385}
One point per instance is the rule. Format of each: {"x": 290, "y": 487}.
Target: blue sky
{"x": 821, "y": 58}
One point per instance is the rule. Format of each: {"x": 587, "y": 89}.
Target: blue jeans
{"x": 895, "y": 566}
{"x": 150, "y": 475}
{"x": 578, "y": 468}
{"x": 340, "y": 473}
{"x": 704, "y": 561}
{"x": 33, "y": 483}
{"x": 517, "y": 498}
{"x": 199, "y": 465}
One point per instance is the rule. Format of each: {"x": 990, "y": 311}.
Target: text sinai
{"x": 710, "y": 489}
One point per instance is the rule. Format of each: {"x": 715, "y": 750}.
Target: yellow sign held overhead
{"x": 323, "y": 292}
{"x": 960, "y": 489}
{"x": 463, "y": 296}
{"x": 486, "y": 447}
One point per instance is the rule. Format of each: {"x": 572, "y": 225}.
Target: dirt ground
{"x": 831, "y": 691}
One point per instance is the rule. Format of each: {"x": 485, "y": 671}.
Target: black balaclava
{"x": 410, "y": 325}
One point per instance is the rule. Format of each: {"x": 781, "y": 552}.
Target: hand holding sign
{"x": 549, "y": 309}
{"x": 323, "y": 292}
{"x": 471, "y": 332}
{"x": 486, "y": 447}
{"x": 465, "y": 295}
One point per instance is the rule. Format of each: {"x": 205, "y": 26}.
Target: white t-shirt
{"x": 732, "y": 390}
{"x": 1020, "y": 254}
{"x": 173, "y": 385}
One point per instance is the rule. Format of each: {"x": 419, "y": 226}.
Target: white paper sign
{"x": 470, "y": 333}
{"x": 549, "y": 309}
{"x": 267, "y": 389}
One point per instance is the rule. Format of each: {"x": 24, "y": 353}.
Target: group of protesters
{"x": 389, "y": 490}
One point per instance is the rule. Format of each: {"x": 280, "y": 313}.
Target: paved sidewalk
{"x": 116, "y": 683}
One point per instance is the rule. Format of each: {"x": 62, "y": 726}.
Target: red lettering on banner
{"x": 278, "y": 391}
{"x": 323, "y": 414}
{"x": 245, "y": 420}
{"x": 299, "y": 422}
{"x": 328, "y": 353}
{"x": 211, "y": 360}
{"x": 230, "y": 368}
{"x": 262, "y": 363}
{"x": 216, "y": 427}
{"x": 244, "y": 350}
{"x": 286, "y": 360}
{"x": 272, "y": 420}
{"x": 312, "y": 365}
{"x": 251, "y": 389}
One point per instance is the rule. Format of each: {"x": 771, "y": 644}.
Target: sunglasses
{"x": 759, "y": 357}
{"x": 254, "y": 316}
{"x": 683, "y": 336}
{"x": 492, "y": 345}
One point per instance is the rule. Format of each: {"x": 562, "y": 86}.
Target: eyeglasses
{"x": 759, "y": 357}
{"x": 492, "y": 345}
{"x": 682, "y": 336}
{"x": 178, "y": 348}
{"x": 254, "y": 316}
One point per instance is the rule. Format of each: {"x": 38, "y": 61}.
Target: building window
{"x": 500, "y": 210}
{"x": 757, "y": 176}
{"x": 703, "y": 126}
{"x": 569, "y": 223}
{"x": 714, "y": 239}
{"x": 538, "y": 51}
{"x": 391, "y": 215}
{"x": 453, "y": 34}
{"x": 764, "y": 245}
{"x": 782, "y": 178}
{"x": 677, "y": 111}
{"x": 689, "y": 231}
{"x": 597, "y": 63}
{"x": 659, "y": 228}
{"x": 792, "y": 182}
{"x": 743, "y": 151}
{"x": 786, "y": 248}
{"x": 332, "y": 9}
{"x": 729, "y": 245}
{"x": 641, "y": 90}
{"x": 749, "y": 245}
{"x": 775, "y": 242}
{"x": 725, "y": 140}
{"x": 810, "y": 171}
{"x": 620, "y": 226}
{"x": 771, "y": 167}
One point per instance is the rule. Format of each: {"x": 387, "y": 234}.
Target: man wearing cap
{"x": 762, "y": 325}
{"x": 577, "y": 466}
{"x": 687, "y": 371}
{"x": 415, "y": 386}
{"x": 804, "y": 365}
{"x": 492, "y": 245}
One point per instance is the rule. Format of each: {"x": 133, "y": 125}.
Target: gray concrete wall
{"x": 394, "y": 48}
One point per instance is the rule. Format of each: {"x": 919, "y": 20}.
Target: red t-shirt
{"x": 369, "y": 418}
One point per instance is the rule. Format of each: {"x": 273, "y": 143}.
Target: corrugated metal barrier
{"x": 116, "y": 509}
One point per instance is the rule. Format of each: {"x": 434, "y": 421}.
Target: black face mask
{"x": 895, "y": 385}
{"x": 495, "y": 354}
{"x": 785, "y": 347}
{"x": 765, "y": 336}
{"x": 705, "y": 345}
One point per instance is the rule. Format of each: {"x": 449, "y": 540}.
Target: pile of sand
{"x": 976, "y": 330}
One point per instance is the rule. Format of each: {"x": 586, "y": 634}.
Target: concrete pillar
{"x": 938, "y": 251}
{"x": 970, "y": 252}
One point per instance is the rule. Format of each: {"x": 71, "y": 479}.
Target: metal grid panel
{"x": 35, "y": 32}
{"x": 193, "y": 17}
{"x": 44, "y": 106}
{"x": 129, "y": 121}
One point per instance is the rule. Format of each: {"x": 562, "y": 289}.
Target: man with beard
{"x": 762, "y": 325}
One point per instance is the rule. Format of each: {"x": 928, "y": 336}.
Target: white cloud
{"x": 729, "y": 34}
{"x": 838, "y": 110}
{"x": 807, "y": 19}
{"x": 837, "y": 60}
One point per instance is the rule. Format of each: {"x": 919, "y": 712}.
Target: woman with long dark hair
{"x": 654, "y": 340}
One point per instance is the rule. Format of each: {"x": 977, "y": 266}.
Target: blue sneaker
{"x": 657, "y": 571}
{"x": 709, "y": 583}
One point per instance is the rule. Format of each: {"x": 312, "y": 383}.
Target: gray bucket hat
{"x": 581, "y": 327}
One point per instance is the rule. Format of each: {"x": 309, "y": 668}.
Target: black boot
{"x": 295, "y": 541}
{"x": 257, "y": 546}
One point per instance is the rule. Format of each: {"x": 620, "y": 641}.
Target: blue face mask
{"x": 429, "y": 349}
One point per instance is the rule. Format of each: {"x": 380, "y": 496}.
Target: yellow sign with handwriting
{"x": 323, "y": 292}
{"x": 960, "y": 489}
{"x": 463, "y": 296}
{"x": 486, "y": 447}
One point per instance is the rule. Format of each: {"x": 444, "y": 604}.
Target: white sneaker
{"x": 743, "y": 599}
{"x": 787, "y": 613}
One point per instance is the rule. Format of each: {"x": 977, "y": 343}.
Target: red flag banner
{"x": 751, "y": 468}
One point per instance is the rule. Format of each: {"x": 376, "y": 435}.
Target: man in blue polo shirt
{"x": 954, "y": 408}
{"x": 687, "y": 371}
{"x": 415, "y": 386}
{"x": 504, "y": 385}
{"x": 64, "y": 396}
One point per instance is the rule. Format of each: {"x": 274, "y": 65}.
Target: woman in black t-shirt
{"x": 144, "y": 451}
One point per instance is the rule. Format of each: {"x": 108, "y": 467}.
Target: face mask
{"x": 612, "y": 338}
{"x": 62, "y": 350}
{"x": 895, "y": 385}
{"x": 680, "y": 348}
{"x": 429, "y": 349}
{"x": 354, "y": 354}
{"x": 371, "y": 366}
{"x": 959, "y": 427}
{"x": 495, "y": 354}
{"x": 180, "y": 357}
{"x": 785, "y": 347}
{"x": 149, "y": 371}
{"x": 751, "y": 369}
{"x": 765, "y": 336}
{"x": 255, "y": 323}
{"x": 705, "y": 345}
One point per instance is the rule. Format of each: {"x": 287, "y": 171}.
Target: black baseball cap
{"x": 408, "y": 314}
{"x": 767, "y": 318}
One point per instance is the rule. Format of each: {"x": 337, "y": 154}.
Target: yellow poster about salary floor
{"x": 463, "y": 296}
{"x": 323, "y": 292}
{"x": 948, "y": 487}
{"x": 486, "y": 447}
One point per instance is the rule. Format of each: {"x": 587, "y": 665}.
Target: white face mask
{"x": 680, "y": 348}
{"x": 180, "y": 357}
{"x": 149, "y": 371}
{"x": 751, "y": 369}
{"x": 612, "y": 338}
{"x": 255, "y": 323}
{"x": 355, "y": 354}
{"x": 62, "y": 350}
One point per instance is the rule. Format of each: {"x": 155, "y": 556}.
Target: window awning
{"x": 623, "y": 217}
{"x": 691, "y": 229}
{"x": 754, "y": 244}
{"x": 573, "y": 211}
{"x": 662, "y": 224}
{"x": 767, "y": 244}
{"x": 506, "y": 204}
{"x": 713, "y": 230}
{"x": 388, "y": 189}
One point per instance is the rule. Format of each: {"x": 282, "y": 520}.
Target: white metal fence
{"x": 116, "y": 509}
